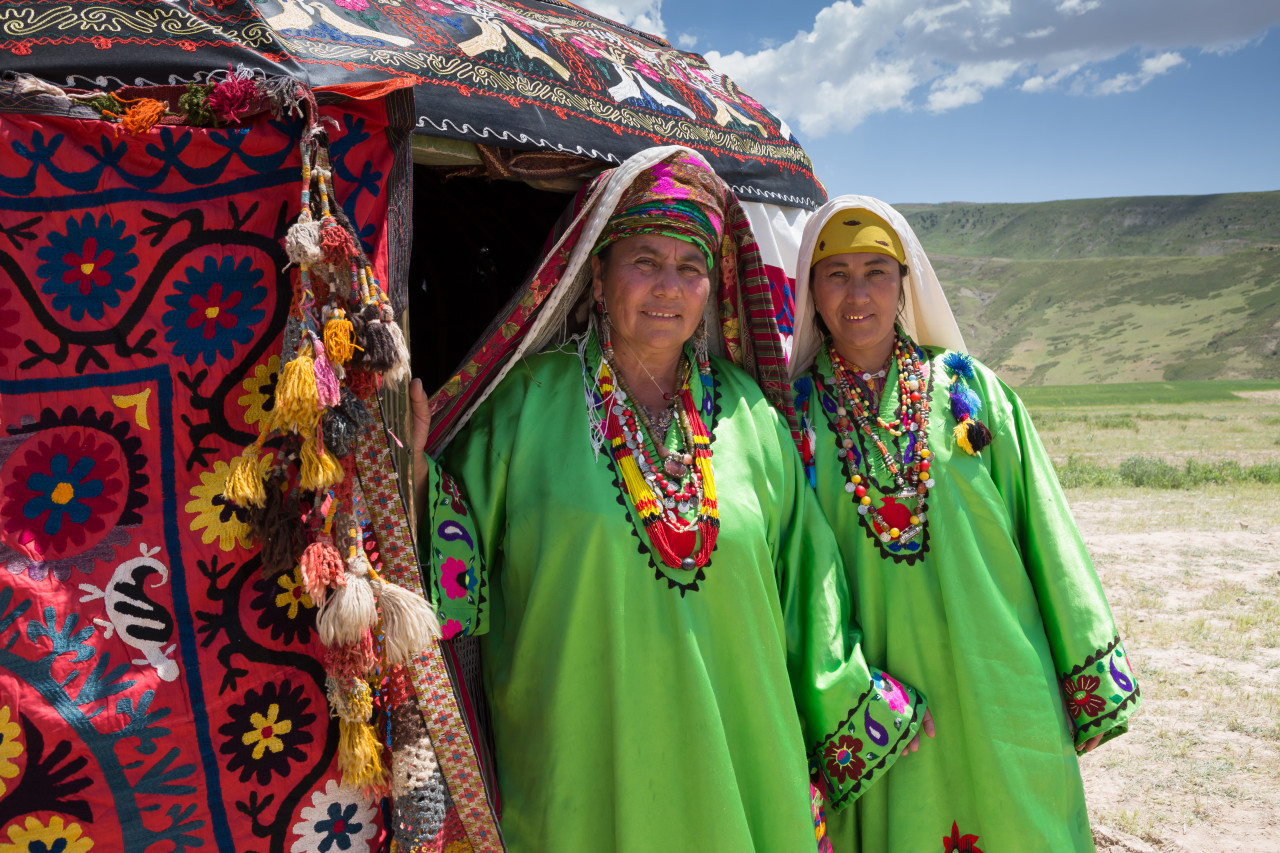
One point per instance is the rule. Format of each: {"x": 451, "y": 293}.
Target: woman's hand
{"x": 926, "y": 726}
{"x": 421, "y": 408}
{"x": 1090, "y": 744}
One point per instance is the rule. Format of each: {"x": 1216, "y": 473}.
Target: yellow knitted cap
{"x": 858, "y": 230}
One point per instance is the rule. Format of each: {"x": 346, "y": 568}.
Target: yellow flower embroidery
{"x": 10, "y": 748}
{"x": 214, "y": 514}
{"x": 295, "y": 593}
{"x": 259, "y": 391}
{"x": 23, "y": 839}
{"x": 263, "y": 735}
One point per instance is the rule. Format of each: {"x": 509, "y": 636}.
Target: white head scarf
{"x": 925, "y": 316}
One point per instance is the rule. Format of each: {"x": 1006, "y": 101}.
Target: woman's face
{"x": 655, "y": 288}
{"x": 856, "y": 293}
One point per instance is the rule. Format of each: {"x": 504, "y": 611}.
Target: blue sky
{"x": 1003, "y": 100}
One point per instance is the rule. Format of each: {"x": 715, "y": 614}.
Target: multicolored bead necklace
{"x": 662, "y": 488}
{"x": 895, "y": 524}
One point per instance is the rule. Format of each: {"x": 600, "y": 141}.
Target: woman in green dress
{"x": 969, "y": 577}
{"x": 664, "y": 624}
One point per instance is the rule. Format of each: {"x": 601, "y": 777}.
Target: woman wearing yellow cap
{"x": 664, "y": 625}
{"x": 970, "y": 577}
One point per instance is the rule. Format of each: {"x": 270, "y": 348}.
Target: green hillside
{"x": 1150, "y": 226}
{"x": 1173, "y": 288}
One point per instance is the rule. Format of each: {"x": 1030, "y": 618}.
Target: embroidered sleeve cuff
{"x": 1101, "y": 694}
{"x": 452, "y": 567}
{"x": 871, "y": 738}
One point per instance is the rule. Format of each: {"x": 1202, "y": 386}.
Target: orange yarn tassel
{"x": 143, "y": 115}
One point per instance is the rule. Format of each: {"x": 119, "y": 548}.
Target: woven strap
{"x": 432, "y": 679}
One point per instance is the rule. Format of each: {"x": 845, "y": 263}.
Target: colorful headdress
{"x": 858, "y": 231}
{"x": 677, "y": 197}
{"x": 743, "y": 327}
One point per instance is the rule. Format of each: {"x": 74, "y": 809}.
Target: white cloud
{"x": 1078, "y": 7}
{"x": 967, "y": 83}
{"x": 644, "y": 15}
{"x": 686, "y": 41}
{"x": 1152, "y": 67}
{"x": 879, "y": 55}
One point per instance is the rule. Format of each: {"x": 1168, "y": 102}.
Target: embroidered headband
{"x": 677, "y": 197}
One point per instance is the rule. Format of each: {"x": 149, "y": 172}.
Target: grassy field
{"x": 1193, "y": 577}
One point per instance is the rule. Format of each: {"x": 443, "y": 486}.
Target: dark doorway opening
{"x": 474, "y": 242}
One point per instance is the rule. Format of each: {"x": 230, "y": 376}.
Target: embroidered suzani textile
{"x": 521, "y": 74}
{"x": 157, "y": 692}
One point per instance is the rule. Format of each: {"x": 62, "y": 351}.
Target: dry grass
{"x": 1194, "y": 579}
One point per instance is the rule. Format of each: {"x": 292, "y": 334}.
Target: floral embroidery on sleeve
{"x": 1101, "y": 693}
{"x": 870, "y": 739}
{"x": 452, "y": 567}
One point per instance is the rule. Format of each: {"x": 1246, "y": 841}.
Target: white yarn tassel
{"x": 399, "y": 370}
{"x": 351, "y": 609}
{"x": 409, "y": 623}
{"x": 302, "y": 241}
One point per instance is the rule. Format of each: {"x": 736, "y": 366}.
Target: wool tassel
{"x": 349, "y": 697}
{"x": 297, "y": 399}
{"x": 244, "y": 483}
{"x": 961, "y": 433}
{"x": 398, "y": 370}
{"x": 277, "y": 526}
{"x": 302, "y": 241}
{"x": 409, "y": 623}
{"x": 319, "y": 470}
{"x": 352, "y": 660}
{"x": 143, "y": 115}
{"x": 339, "y": 337}
{"x": 335, "y": 243}
{"x": 360, "y": 756}
{"x": 232, "y": 97}
{"x": 964, "y": 403}
{"x": 978, "y": 434}
{"x": 347, "y": 613}
{"x": 327, "y": 391}
{"x": 379, "y": 346}
{"x": 195, "y": 105}
{"x": 322, "y": 568}
{"x": 959, "y": 363}
{"x": 26, "y": 84}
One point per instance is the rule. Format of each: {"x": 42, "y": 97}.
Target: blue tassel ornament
{"x": 960, "y": 364}
{"x": 970, "y": 433}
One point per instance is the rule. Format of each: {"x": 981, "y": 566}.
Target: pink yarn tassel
{"x": 322, "y": 568}
{"x": 326, "y": 380}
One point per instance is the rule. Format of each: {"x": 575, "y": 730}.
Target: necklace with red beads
{"x": 663, "y": 484}
{"x": 898, "y": 520}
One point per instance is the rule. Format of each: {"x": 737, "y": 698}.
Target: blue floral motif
{"x": 339, "y": 827}
{"x": 87, "y": 268}
{"x": 214, "y": 309}
{"x": 63, "y": 491}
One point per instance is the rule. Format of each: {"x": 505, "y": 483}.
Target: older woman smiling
{"x": 663, "y": 618}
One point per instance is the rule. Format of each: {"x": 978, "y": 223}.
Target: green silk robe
{"x": 1001, "y": 621}
{"x": 638, "y": 708}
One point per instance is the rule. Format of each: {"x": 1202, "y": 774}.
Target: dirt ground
{"x": 1194, "y": 580}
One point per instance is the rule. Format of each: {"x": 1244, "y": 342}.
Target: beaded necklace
{"x": 661, "y": 489}
{"x": 899, "y": 519}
